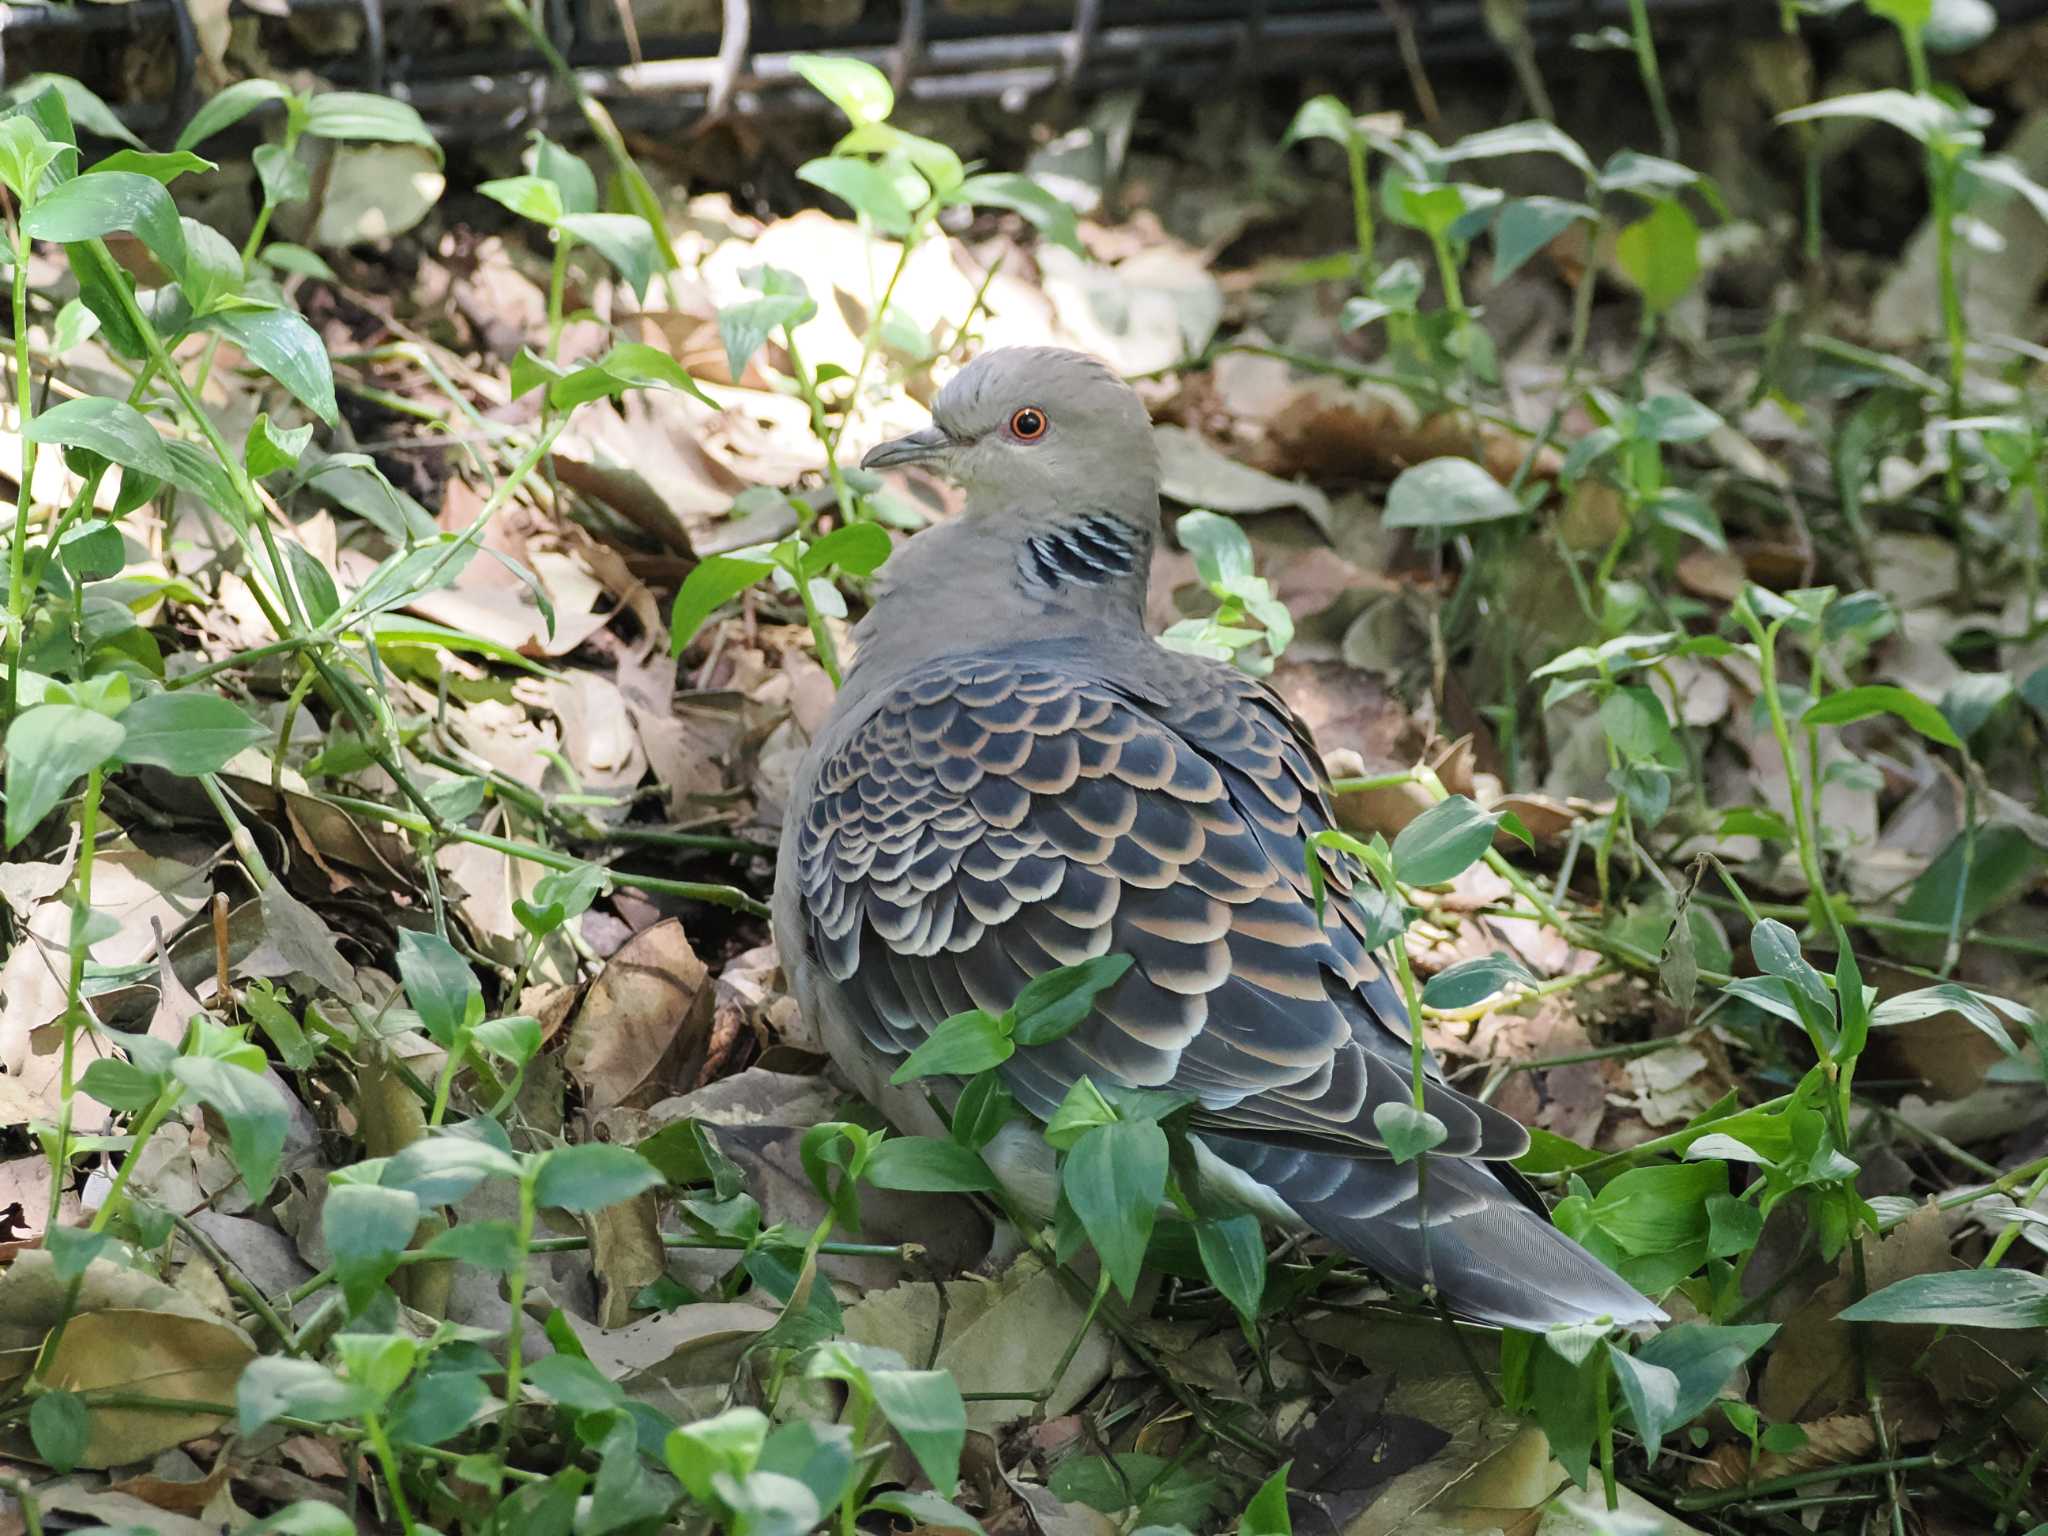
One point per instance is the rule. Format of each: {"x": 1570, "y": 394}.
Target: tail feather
{"x": 1489, "y": 1255}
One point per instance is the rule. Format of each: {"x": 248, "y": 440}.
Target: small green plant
{"x": 1247, "y": 614}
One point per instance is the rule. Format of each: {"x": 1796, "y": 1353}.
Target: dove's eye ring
{"x": 1028, "y": 425}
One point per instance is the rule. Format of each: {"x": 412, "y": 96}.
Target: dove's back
{"x": 969, "y": 820}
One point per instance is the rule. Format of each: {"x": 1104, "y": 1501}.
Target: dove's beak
{"x": 917, "y": 448}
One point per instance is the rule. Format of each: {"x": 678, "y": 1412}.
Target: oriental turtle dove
{"x": 1017, "y": 777}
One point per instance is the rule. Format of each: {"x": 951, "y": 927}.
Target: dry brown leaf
{"x": 645, "y": 1023}
{"x": 297, "y": 942}
{"x": 1334, "y": 431}
{"x": 994, "y": 1336}
{"x": 178, "y": 1496}
{"x": 154, "y": 1351}
{"x": 626, "y": 1255}
{"x": 1811, "y": 1372}
{"x": 121, "y": 1511}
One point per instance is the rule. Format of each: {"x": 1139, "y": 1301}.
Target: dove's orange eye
{"x": 1028, "y": 425}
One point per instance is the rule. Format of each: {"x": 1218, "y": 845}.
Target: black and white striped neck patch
{"x": 1088, "y": 552}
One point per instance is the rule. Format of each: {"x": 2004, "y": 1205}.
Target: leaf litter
{"x": 539, "y": 709}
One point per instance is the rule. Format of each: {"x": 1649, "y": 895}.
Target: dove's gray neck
{"x": 1018, "y": 575}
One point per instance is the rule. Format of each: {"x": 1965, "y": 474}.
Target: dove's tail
{"x": 1491, "y": 1257}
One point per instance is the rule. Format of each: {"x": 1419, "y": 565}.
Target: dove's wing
{"x": 993, "y": 817}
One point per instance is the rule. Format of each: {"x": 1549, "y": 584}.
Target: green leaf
{"x": 986, "y": 1105}
{"x": 283, "y": 176}
{"x": 268, "y": 448}
{"x": 361, "y": 116}
{"x": 277, "y": 1386}
{"x": 163, "y": 168}
{"x": 26, "y": 153}
{"x": 377, "y": 1362}
{"x": 1660, "y": 254}
{"x": 743, "y": 327}
{"x": 437, "y": 1407}
{"x": 189, "y": 732}
{"x": 854, "y": 86}
{"x": 559, "y": 896}
{"x": 315, "y": 583}
{"x": 441, "y": 1167}
{"x": 1470, "y": 981}
{"x": 284, "y": 346}
{"x": 367, "y": 1227}
{"x": 1703, "y": 1356}
{"x": 308, "y": 1517}
{"x": 868, "y": 189}
{"x": 628, "y": 365}
{"x": 591, "y": 1177}
{"x": 1322, "y": 117}
{"x": 857, "y": 548}
{"x": 960, "y": 1046}
{"x": 122, "y": 1085}
{"x": 1406, "y": 1131}
{"x": 624, "y": 240}
{"x": 1526, "y": 225}
{"x": 1222, "y": 552}
{"x": 1881, "y": 699}
{"x": 49, "y": 748}
{"x": 1926, "y": 118}
{"x": 1630, "y": 170}
{"x": 1267, "y": 1514}
{"x": 1637, "y": 725}
{"x": 79, "y": 104}
{"x": 924, "y": 1407}
{"x": 1234, "y": 1258}
{"x": 1675, "y": 417}
{"x": 1443, "y": 842}
{"x": 94, "y": 552}
{"x": 1534, "y": 137}
{"x": 1114, "y": 1178}
{"x": 514, "y": 1039}
{"x": 253, "y": 1110}
{"x": 113, "y": 429}
{"x": 575, "y": 1383}
{"x": 1950, "y": 997}
{"x": 926, "y": 1511}
{"x": 1053, "y": 1005}
{"x": 1651, "y": 1392}
{"x": 927, "y": 1164}
{"x": 60, "y": 1428}
{"x": 935, "y": 162}
{"x": 531, "y": 197}
{"x": 212, "y": 278}
{"x": 227, "y": 107}
{"x": 712, "y": 583}
{"x": 298, "y": 261}
{"x": 110, "y": 202}
{"x": 1970, "y": 702}
{"x": 1733, "y": 1226}
{"x": 568, "y": 171}
{"x": 439, "y": 984}
{"x": 1965, "y": 1298}
{"x": 1050, "y": 215}
{"x": 1447, "y": 493}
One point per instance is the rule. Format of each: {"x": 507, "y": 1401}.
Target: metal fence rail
{"x": 933, "y": 51}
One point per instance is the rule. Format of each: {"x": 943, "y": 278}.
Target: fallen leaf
{"x": 645, "y": 1022}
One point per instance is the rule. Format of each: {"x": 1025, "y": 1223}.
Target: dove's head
{"x": 1038, "y": 434}
{"x": 1055, "y": 544}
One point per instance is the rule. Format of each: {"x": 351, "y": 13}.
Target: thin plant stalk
{"x": 1653, "y": 78}
{"x": 24, "y": 499}
{"x": 74, "y": 990}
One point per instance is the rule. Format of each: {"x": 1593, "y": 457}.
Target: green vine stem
{"x": 74, "y": 990}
